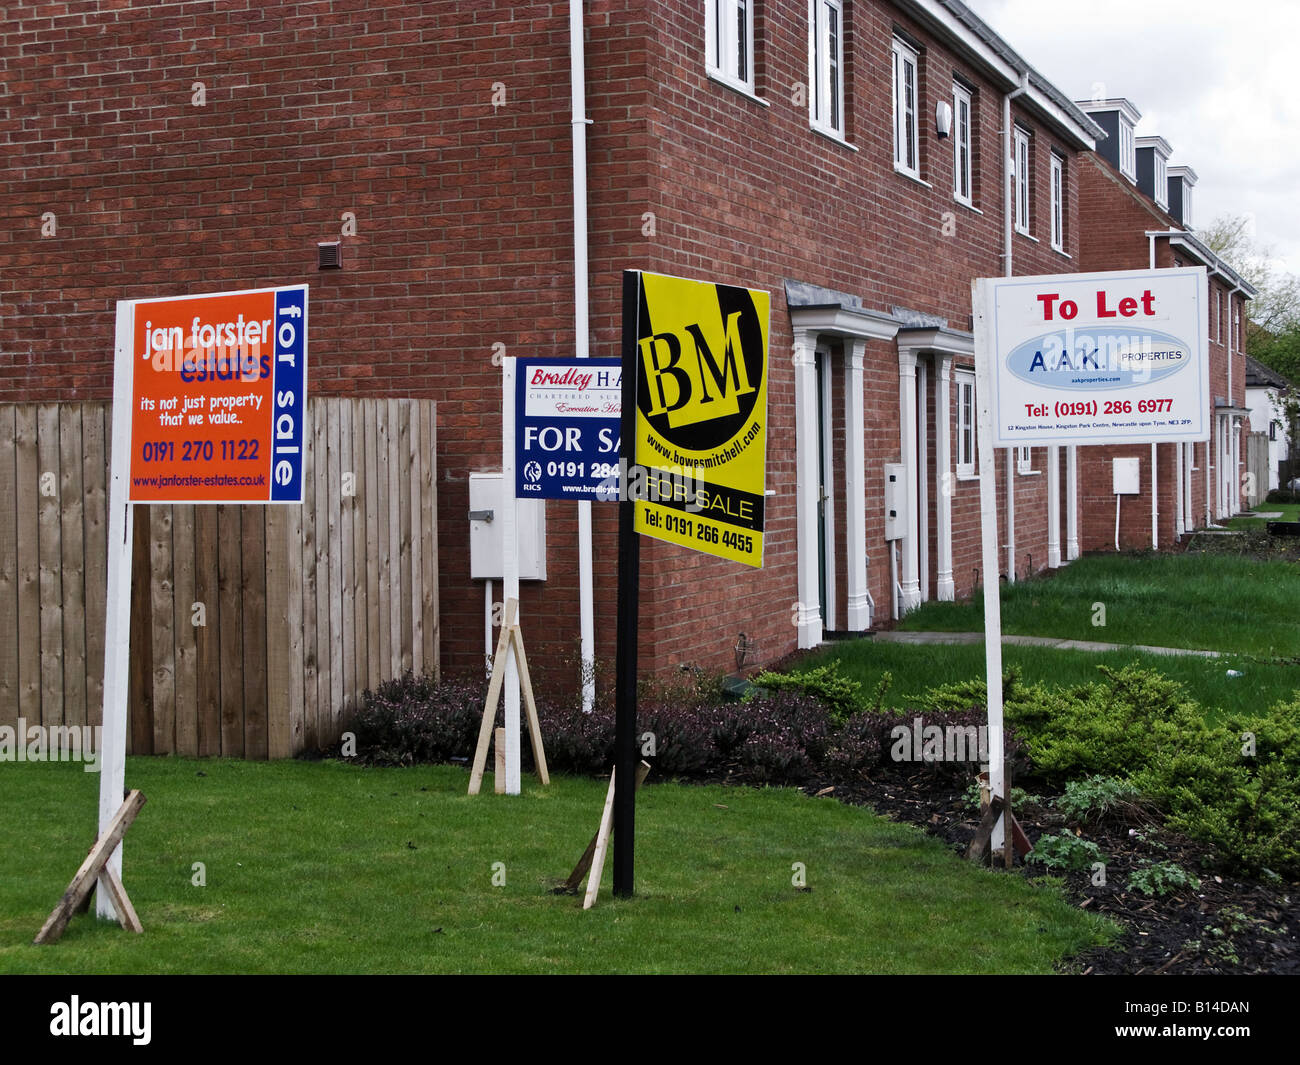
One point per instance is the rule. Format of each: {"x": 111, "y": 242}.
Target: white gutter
{"x": 1009, "y": 215}
{"x": 579, "y": 122}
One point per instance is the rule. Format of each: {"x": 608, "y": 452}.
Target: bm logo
{"x": 702, "y": 357}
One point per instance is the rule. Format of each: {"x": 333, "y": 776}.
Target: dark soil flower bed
{"x": 1227, "y": 925}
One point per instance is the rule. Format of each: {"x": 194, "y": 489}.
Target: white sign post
{"x": 1098, "y": 358}
{"x": 208, "y": 397}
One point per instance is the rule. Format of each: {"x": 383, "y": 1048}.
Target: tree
{"x": 1273, "y": 332}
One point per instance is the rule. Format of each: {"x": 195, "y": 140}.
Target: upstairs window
{"x": 1025, "y": 459}
{"x": 729, "y": 41}
{"x": 963, "y": 167}
{"x": 826, "y": 65}
{"x": 1022, "y": 180}
{"x": 906, "y": 140}
{"x": 1161, "y": 179}
{"x": 1058, "y": 202}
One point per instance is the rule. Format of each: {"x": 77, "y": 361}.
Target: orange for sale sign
{"x": 218, "y": 392}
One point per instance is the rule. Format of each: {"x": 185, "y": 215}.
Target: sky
{"x": 1217, "y": 81}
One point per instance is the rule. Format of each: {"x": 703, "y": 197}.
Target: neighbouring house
{"x": 1135, "y": 212}
{"x": 1267, "y": 393}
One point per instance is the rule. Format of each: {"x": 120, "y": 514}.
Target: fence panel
{"x": 254, "y": 630}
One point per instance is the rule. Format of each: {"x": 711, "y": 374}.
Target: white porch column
{"x": 1071, "y": 503}
{"x": 1209, "y": 475}
{"x": 945, "y": 588}
{"x": 909, "y": 578}
{"x": 808, "y": 615}
{"x": 1054, "y": 506}
{"x": 1155, "y": 498}
{"x": 855, "y": 500}
{"x": 1234, "y": 490}
{"x": 1179, "y": 527}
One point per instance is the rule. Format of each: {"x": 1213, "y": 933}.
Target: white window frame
{"x": 1025, "y": 459}
{"x": 1160, "y": 179}
{"x": 1058, "y": 202}
{"x": 1127, "y": 151}
{"x": 1021, "y": 142}
{"x": 967, "y": 423}
{"x": 1218, "y": 315}
{"x": 729, "y": 48}
{"x": 907, "y": 133}
{"x": 1187, "y": 205}
{"x": 826, "y": 66}
{"x": 963, "y": 169}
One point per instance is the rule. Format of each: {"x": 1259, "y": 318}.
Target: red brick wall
{"x": 463, "y": 241}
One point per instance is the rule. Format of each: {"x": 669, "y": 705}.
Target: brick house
{"x": 1135, "y": 212}
{"x": 851, "y": 158}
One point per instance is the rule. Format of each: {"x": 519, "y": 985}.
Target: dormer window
{"x": 1180, "y": 182}
{"x": 1118, "y": 118}
{"x": 1153, "y": 169}
{"x": 1127, "y": 151}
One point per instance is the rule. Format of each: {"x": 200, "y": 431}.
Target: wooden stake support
{"x": 1016, "y": 840}
{"x": 96, "y": 868}
{"x": 584, "y": 863}
{"x": 602, "y": 843}
{"x": 499, "y": 749}
{"x": 510, "y": 637}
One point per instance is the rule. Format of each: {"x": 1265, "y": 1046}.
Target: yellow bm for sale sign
{"x": 701, "y": 418}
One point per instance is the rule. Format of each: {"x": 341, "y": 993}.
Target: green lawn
{"x": 918, "y": 668}
{"x": 325, "y": 867}
{"x": 1222, "y": 603}
{"x": 1289, "y": 512}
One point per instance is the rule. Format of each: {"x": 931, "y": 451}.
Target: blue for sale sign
{"x": 567, "y": 428}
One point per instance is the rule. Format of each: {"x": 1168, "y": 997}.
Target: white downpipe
{"x": 586, "y": 591}
{"x": 893, "y": 574}
{"x": 1118, "y": 498}
{"x": 1008, "y": 220}
{"x": 488, "y": 648}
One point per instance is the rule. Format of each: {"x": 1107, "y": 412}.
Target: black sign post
{"x": 629, "y": 589}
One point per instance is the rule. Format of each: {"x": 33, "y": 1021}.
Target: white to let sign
{"x": 1115, "y": 357}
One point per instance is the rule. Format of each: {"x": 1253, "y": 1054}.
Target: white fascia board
{"x": 967, "y": 42}
{"x": 940, "y": 341}
{"x": 1162, "y": 146}
{"x": 839, "y": 321}
{"x": 1123, "y": 106}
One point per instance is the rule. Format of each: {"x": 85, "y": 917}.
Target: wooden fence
{"x": 254, "y": 630}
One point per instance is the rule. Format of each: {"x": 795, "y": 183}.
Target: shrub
{"x": 1066, "y": 851}
{"x": 856, "y": 749}
{"x": 413, "y": 720}
{"x": 840, "y": 694}
{"x": 1095, "y": 798}
{"x": 1162, "y": 878}
{"x": 1247, "y": 805}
